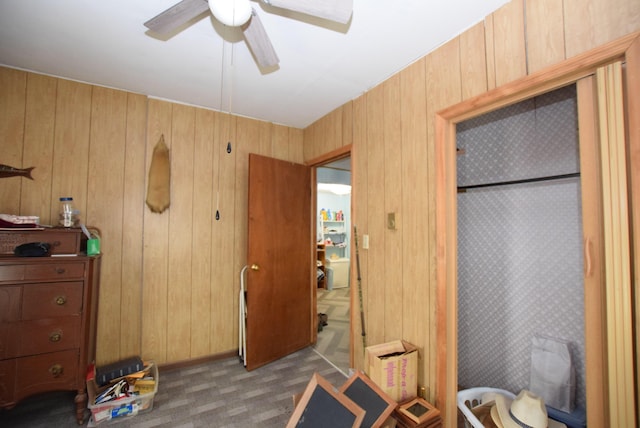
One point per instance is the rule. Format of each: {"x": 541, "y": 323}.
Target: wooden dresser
{"x": 48, "y": 319}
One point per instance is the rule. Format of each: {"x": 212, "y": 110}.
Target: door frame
{"x": 339, "y": 153}
{"x": 567, "y": 72}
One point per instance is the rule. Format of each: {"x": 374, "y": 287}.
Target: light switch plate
{"x": 365, "y": 242}
{"x": 391, "y": 221}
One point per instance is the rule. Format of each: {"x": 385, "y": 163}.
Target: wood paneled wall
{"x": 170, "y": 281}
{"x": 392, "y": 149}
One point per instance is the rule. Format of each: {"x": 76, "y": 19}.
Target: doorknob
{"x": 255, "y": 267}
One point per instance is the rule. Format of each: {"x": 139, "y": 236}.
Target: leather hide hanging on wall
{"x": 159, "y": 190}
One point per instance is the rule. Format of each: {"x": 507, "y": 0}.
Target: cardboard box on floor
{"x": 393, "y": 366}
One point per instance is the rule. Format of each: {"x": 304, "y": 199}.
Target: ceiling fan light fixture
{"x": 233, "y": 13}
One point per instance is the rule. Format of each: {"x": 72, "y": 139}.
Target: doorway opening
{"x": 333, "y": 260}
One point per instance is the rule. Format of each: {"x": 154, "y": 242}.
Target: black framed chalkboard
{"x": 322, "y": 406}
{"x": 366, "y": 394}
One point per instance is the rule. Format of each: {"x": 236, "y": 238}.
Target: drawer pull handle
{"x": 56, "y": 243}
{"x": 56, "y": 336}
{"x": 61, "y": 300}
{"x": 60, "y": 270}
{"x": 56, "y": 370}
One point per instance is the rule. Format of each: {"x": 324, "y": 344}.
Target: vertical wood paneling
{"x": 376, "y": 218}
{"x": 262, "y": 141}
{"x": 246, "y": 136}
{"x": 509, "y": 42}
{"x": 595, "y": 22}
{"x": 203, "y": 216}
{"x": 296, "y": 150}
{"x": 311, "y": 134}
{"x": 180, "y": 281}
{"x": 132, "y": 229}
{"x": 473, "y": 61}
{"x": 359, "y": 215}
{"x": 544, "y": 33}
{"x": 392, "y": 203}
{"x": 156, "y": 247}
{"x": 13, "y": 86}
{"x": 326, "y": 134}
{"x": 38, "y": 146}
{"x": 226, "y": 260}
{"x": 347, "y": 124}
{"x": 490, "y": 52}
{"x": 415, "y": 208}
{"x": 280, "y": 142}
{"x": 105, "y": 205}
{"x": 335, "y": 127}
{"x": 71, "y": 145}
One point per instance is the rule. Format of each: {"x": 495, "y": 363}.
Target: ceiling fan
{"x": 239, "y": 13}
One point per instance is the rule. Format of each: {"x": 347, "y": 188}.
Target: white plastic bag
{"x": 552, "y": 373}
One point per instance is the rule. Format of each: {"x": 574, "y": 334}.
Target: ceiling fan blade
{"x": 176, "y": 15}
{"x": 333, "y": 10}
{"x": 259, "y": 43}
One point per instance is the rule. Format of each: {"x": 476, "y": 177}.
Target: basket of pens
{"x": 122, "y": 397}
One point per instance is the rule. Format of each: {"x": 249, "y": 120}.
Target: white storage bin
{"x": 340, "y": 269}
{"x": 111, "y": 412}
{"x": 469, "y": 398}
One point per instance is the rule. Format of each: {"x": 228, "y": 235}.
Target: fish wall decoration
{"x": 9, "y": 171}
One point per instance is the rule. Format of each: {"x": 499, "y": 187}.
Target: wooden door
{"x": 280, "y": 255}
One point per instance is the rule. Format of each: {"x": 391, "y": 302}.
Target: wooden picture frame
{"x": 321, "y": 405}
{"x": 418, "y": 410}
{"x": 377, "y": 404}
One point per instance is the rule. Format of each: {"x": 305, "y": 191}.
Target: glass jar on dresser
{"x": 48, "y": 320}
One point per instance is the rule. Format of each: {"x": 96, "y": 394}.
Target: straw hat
{"x": 527, "y": 410}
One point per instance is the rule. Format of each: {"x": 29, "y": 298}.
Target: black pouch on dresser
{"x": 32, "y": 249}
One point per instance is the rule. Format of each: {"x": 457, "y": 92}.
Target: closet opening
{"x": 605, "y": 79}
{"x": 519, "y": 249}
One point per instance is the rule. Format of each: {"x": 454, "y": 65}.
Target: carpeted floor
{"x": 214, "y": 394}
{"x": 333, "y": 340}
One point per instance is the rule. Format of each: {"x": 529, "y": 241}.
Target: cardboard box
{"x": 393, "y": 366}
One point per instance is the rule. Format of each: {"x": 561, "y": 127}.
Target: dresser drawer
{"x": 49, "y": 270}
{"x": 54, "y": 271}
{"x": 9, "y": 340}
{"x": 62, "y": 241}
{"x": 12, "y": 272}
{"x": 49, "y": 335}
{"x": 10, "y": 297}
{"x": 8, "y": 376}
{"x": 46, "y": 372}
{"x": 54, "y": 299}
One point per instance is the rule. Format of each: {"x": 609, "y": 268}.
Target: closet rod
{"x": 526, "y": 180}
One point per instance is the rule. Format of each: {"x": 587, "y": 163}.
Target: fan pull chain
{"x": 217, "y": 215}
{"x": 217, "y": 205}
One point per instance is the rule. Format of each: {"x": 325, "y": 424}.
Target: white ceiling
{"x": 322, "y": 64}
